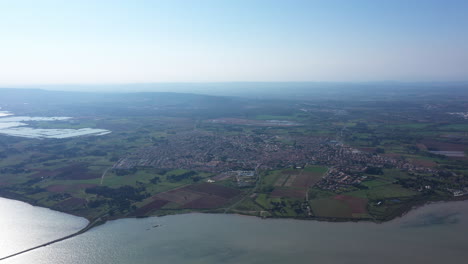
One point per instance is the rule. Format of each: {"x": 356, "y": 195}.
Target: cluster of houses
{"x": 210, "y": 152}
{"x": 458, "y": 192}
{"x": 240, "y": 155}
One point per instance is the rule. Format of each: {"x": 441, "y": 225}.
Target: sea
{"x": 434, "y": 233}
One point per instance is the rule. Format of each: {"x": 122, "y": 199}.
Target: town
{"x": 210, "y": 152}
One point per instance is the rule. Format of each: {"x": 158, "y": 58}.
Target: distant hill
{"x": 42, "y": 101}
{"x": 277, "y": 90}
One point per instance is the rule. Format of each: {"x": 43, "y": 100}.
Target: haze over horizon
{"x": 122, "y": 42}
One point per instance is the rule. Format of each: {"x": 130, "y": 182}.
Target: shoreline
{"x": 400, "y": 213}
{"x": 92, "y": 223}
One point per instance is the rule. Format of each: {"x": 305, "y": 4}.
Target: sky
{"x": 142, "y": 41}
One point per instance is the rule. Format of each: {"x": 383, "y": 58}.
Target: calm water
{"x": 13, "y": 126}
{"x": 432, "y": 234}
{"x": 23, "y": 226}
{"x": 4, "y": 113}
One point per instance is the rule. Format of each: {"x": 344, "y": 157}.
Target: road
{"x": 89, "y": 226}
{"x": 104, "y": 175}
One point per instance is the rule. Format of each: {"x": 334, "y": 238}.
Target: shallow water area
{"x": 6, "y": 125}
{"x": 5, "y": 113}
{"x": 52, "y": 133}
{"x": 431, "y": 234}
{"x": 14, "y": 126}
{"x": 29, "y": 118}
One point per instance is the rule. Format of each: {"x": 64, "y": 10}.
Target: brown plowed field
{"x": 293, "y": 193}
{"x": 307, "y": 179}
{"x": 206, "y": 202}
{"x": 392, "y": 155}
{"x": 443, "y": 146}
{"x": 199, "y": 196}
{"x": 214, "y": 189}
{"x": 357, "y": 205}
{"x": 180, "y": 196}
{"x": 424, "y": 163}
{"x": 72, "y": 172}
{"x": 154, "y": 205}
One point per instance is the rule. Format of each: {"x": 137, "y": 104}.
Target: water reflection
{"x": 14, "y": 126}
{"x": 431, "y": 234}
{"x": 23, "y": 226}
{"x": 431, "y": 219}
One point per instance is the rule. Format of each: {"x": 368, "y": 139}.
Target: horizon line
{"x": 232, "y": 82}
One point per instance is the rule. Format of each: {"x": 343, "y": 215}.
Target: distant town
{"x": 155, "y": 154}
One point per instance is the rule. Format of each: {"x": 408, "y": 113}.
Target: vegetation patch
{"x": 72, "y": 202}
{"x": 61, "y": 188}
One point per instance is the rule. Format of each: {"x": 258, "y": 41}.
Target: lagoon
{"x": 15, "y": 126}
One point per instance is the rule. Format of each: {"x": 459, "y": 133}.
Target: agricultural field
{"x": 284, "y": 193}
{"x": 333, "y": 159}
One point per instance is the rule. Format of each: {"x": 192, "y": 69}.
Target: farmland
{"x": 345, "y": 160}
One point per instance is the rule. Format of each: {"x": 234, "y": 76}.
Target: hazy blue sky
{"x": 101, "y": 41}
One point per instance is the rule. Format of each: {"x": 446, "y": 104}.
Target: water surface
{"x": 14, "y": 126}
{"x": 24, "y": 226}
{"x": 432, "y": 234}
{"x": 4, "y": 113}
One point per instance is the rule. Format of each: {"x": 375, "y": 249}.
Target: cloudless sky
{"x": 140, "y": 41}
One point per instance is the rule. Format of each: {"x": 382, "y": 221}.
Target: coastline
{"x": 102, "y": 220}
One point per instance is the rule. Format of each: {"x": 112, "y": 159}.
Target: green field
{"x": 178, "y": 144}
